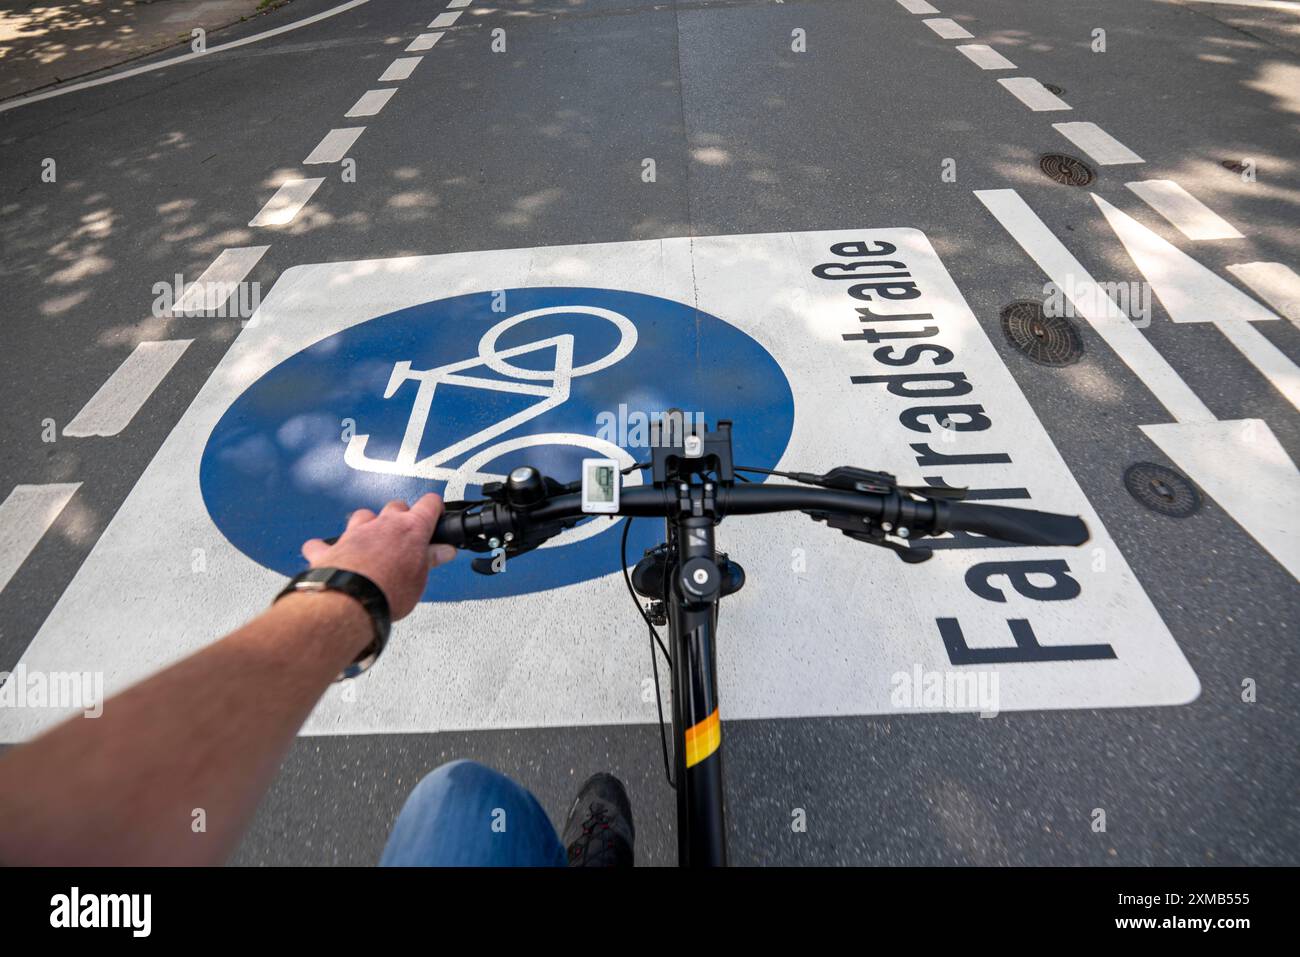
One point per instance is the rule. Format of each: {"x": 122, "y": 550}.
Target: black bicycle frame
{"x": 697, "y": 728}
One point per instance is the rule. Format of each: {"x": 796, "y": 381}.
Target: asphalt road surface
{"x": 524, "y": 125}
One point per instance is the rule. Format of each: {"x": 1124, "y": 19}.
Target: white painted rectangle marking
{"x": 457, "y": 4}
{"x": 1193, "y": 218}
{"x": 25, "y": 516}
{"x": 1092, "y": 303}
{"x": 915, "y": 6}
{"x": 1275, "y": 283}
{"x": 425, "y": 41}
{"x": 334, "y": 146}
{"x": 1097, "y": 143}
{"x": 985, "y": 57}
{"x": 948, "y": 29}
{"x": 1033, "y": 94}
{"x": 444, "y": 20}
{"x": 1271, "y": 361}
{"x": 116, "y": 402}
{"x": 371, "y": 102}
{"x": 219, "y": 281}
{"x": 831, "y": 642}
{"x": 400, "y": 68}
{"x": 287, "y": 202}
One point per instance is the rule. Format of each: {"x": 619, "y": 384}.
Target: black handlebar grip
{"x": 1022, "y": 525}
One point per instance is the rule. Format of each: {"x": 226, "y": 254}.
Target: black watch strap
{"x": 371, "y": 597}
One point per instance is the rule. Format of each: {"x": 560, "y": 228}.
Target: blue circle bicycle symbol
{"x": 449, "y": 394}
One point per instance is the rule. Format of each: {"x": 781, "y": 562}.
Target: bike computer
{"x": 600, "y": 481}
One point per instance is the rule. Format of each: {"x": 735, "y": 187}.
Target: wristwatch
{"x": 363, "y": 590}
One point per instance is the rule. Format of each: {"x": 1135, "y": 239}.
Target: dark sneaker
{"x": 599, "y": 831}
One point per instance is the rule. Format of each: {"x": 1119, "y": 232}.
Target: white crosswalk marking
{"x": 25, "y": 515}
{"x": 1193, "y": 218}
{"x": 1275, "y": 283}
{"x": 117, "y": 401}
{"x": 1097, "y": 143}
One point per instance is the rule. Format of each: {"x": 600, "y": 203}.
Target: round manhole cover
{"x": 1162, "y": 490}
{"x": 1065, "y": 169}
{"x": 1048, "y": 340}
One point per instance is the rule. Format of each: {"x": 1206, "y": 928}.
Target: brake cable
{"x": 654, "y": 658}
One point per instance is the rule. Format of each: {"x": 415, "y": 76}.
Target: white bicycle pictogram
{"x": 551, "y": 386}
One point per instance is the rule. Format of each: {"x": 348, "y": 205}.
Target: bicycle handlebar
{"x": 923, "y": 516}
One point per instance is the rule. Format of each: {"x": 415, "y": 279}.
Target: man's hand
{"x": 391, "y": 549}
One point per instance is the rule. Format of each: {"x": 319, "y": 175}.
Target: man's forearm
{"x": 205, "y": 737}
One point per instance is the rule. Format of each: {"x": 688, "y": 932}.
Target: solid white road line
{"x": 1090, "y": 302}
{"x": 911, "y": 6}
{"x": 424, "y": 41}
{"x": 1097, "y": 143}
{"x": 1033, "y": 94}
{"x": 400, "y": 68}
{"x": 948, "y": 29}
{"x": 1193, "y": 218}
{"x": 371, "y": 102}
{"x": 1271, "y": 361}
{"x": 219, "y": 281}
{"x": 1188, "y": 291}
{"x": 161, "y": 64}
{"x": 1291, "y": 5}
{"x": 985, "y": 57}
{"x": 1245, "y": 469}
{"x": 288, "y": 200}
{"x": 1275, "y": 283}
{"x": 334, "y": 146}
{"x": 444, "y": 20}
{"x": 117, "y": 401}
{"x": 25, "y": 516}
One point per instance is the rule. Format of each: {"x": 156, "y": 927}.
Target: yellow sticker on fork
{"x": 703, "y": 739}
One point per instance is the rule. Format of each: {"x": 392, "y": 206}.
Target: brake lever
{"x": 862, "y": 529}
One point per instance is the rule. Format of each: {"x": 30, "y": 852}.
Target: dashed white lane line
{"x": 424, "y": 41}
{"x": 1275, "y": 283}
{"x": 1097, "y": 143}
{"x": 219, "y": 281}
{"x": 1193, "y": 218}
{"x": 117, "y": 401}
{"x": 1090, "y": 302}
{"x": 457, "y": 4}
{"x": 1033, "y": 94}
{"x": 162, "y": 64}
{"x": 25, "y": 516}
{"x": 911, "y": 6}
{"x": 1270, "y": 361}
{"x": 444, "y": 20}
{"x": 334, "y": 145}
{"x": 371, "y": 102}
{"x": 948, "y": 29}
{"x": 287, "y": 202}
{"x": 400, "y": 68}
{"x": 985, "y": 57}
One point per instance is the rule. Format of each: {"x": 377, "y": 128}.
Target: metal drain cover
{"x": 1065, "y": 169}
{"x": 1162, "y": 490}
{"x": 1048, "y": 340}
